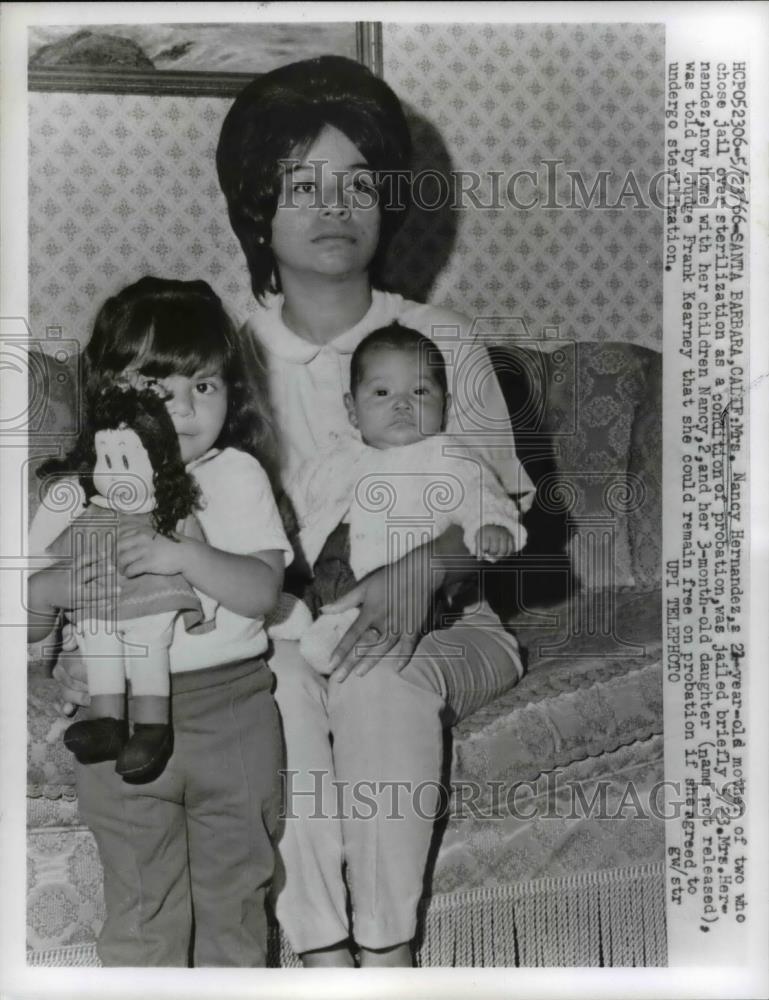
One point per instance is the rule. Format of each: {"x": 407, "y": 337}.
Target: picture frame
{"x": 202, "y": 72}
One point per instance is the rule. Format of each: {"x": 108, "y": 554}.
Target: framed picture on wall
{"x": 214, "y": 60}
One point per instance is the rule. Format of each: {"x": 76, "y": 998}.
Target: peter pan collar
{"x": 279, "y": 340}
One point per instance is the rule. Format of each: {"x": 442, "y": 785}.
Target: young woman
{"x": 309, "y": 159}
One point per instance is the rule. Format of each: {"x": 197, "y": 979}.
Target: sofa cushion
{"x": 645, "y": 467}
{"x": 583, "y": 695}
{"x": 50, "y": 766}
{"x": 593, "y": 452}
{"x": 600, "y": 813}
{"x": 587, "y": 419}
{"x": 65, "y": 901}
{"x": 520, "y": 741}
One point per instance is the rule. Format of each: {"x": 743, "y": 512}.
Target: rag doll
{"x": 132, "y": 473}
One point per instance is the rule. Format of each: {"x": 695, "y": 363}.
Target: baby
{"x": 368, "y": 502}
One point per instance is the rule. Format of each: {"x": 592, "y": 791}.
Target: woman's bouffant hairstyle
{"x": 277, "y": 117}
{"x": 116, "y": 408}
{"x": 159, "y": 327}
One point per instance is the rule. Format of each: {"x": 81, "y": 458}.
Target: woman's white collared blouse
{"x": 307, "y": 383}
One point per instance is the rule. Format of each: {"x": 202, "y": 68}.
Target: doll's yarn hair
{"x": 144, "y": 411}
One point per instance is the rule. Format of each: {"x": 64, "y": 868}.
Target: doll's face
{"x": 123, "y": 471}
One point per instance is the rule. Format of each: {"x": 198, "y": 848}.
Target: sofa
{"x": 549, "y": 847}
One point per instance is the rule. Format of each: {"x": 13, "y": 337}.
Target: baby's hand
{"x": 142, "y": 550}
{"x": 493, "y": 542}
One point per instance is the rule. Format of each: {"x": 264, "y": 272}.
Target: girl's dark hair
{"x": 115, "y": 408}
{"x": 161, "y": 327}
{"x": 400, "y": 338}
{"x": 277, "y": 117}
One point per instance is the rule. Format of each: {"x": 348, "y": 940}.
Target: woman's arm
{"x": 43, "y": 604}
{"x": 395, "y": 602}
{"x": 249, "y": 585}
{"x": 88, "y": 584}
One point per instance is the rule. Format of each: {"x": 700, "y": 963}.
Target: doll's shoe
{"x": 146, "y": 753}
{"x": 95, "y": 740}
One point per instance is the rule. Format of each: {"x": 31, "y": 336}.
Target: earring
{"x": 260, "y": 241}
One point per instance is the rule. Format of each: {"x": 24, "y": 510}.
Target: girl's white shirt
{"x": 307, "y": 383}
{"x": 239, "y": 516}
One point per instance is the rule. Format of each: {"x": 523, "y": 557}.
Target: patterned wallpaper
{"x": 120, "y": 186}
{"x": 504, "y": 98}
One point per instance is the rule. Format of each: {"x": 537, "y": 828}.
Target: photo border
{"x": 691, "y": 981}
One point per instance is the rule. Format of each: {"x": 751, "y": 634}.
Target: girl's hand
{"x": 395, "y": 604}
{"x": 142, "y": 550}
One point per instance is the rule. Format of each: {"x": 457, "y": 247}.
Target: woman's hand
{"x": 87, "y": 585}
{"x": 395, "y": 604}
{"x": 70, "y": 672}
{"x": 142, "y": 550}
{"x": 90, "y": 585}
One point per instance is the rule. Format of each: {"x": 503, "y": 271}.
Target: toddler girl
{"x": 188, "y": 856}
